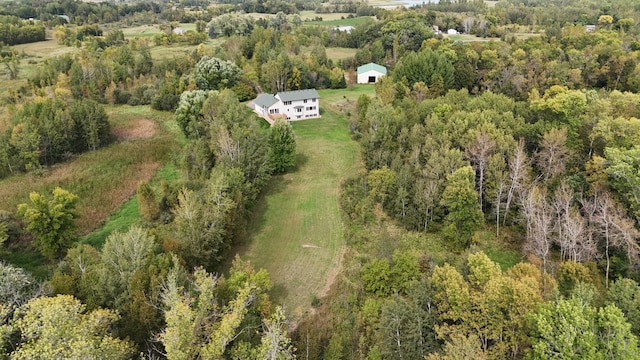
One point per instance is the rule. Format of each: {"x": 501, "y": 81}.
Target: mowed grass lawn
{"x": 297, "y": 233}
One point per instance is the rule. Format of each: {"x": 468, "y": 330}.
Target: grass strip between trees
{"x": 297, "y": 233}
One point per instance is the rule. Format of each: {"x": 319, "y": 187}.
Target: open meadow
{"x": 104, "y": 179}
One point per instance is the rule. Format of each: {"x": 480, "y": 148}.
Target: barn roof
{"x": 371, "y": 66}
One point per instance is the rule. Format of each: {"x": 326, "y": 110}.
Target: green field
{"x": 339, "y": 53}
{"x": 310, "y": 14}
{"x": 151, "y": 30}
{"x": 466, "y": 38}
{"x": 297, "y": 233}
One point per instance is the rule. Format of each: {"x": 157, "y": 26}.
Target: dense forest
{"x": 495, "y": 215}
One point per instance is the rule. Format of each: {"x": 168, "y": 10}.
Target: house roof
{"x": 298, "y": 95}
{"x": 371, "y": 66}
{"x": 265, "y": 100}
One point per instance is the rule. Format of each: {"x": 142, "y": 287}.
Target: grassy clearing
{"x": 170, "y": 51}
{"x": 43, "y": 49}
{"x": 103, "y": 179}
{"x": 151, "y": 30}
{"x": 348, "y": 96}
{"x": 310, "y": 14}
{"x": 339, "y": 53}
{"x": 31, "y": 56}
{"x": 30, "y": 260}
{"x": 297, "y": 233}
{"x": 500, "y": 250}
{"x": 467, "y": 38}
{"x": 129, "y": 213}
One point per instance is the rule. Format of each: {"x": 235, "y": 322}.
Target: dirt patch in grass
{"x": 332, "y": 275}
{"x": 137, "y": 129}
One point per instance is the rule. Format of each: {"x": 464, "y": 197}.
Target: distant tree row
{"x": 50, "y": 130}
{"x": 77, "y": 12}
{"x": 273, "y": 7}
{"x": 124, "y": 73}
{"x": 14, "y": 31}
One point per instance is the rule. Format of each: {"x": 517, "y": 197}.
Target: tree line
{"x": 50, "y": 130}
{"x": 407, "y": 307}
{"x": 153, "y": 288}
{"x": 14, "y": 31}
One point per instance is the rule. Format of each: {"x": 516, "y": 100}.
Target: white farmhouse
{"x": 346, "y": 28}
{"x": 179, "y": 30}
{"x": 370, "y": 73}
{"x": 292, "y": 105}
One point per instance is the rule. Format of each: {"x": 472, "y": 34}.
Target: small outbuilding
{"x": 370, "y": 73}
{"x": 452, "y": 32}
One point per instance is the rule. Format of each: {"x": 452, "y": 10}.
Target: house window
{"x": 305, "y": 101}
{"x": 372, "y": 79}
{"x": 299, "y": 117}
{"x": 287, "y": 102}
{"x": 314, "y": 100}
{"x": 299, "y": 110}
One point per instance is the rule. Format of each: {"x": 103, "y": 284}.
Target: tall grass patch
{"x": 102, "y": 179}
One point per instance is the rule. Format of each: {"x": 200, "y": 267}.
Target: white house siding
{"x": 363, "y": 78}
{"x": 300, "y": 109}
{"x": 260, "y": 109}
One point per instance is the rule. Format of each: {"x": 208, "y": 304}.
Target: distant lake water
{"x": 407, "y": 3}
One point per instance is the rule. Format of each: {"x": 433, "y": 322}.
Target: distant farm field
{"x": 151, "y": 30}
{"x": 338, "y": 53}
{"x": 340, "y": 21}
{"x": 297, "y": 233}
{"x": 309, "y": 15}
{"x": 31, "y": 56}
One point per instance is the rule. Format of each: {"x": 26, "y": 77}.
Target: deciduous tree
{"x": 282, "y": 145}
{"x": 463, "y": 210}
{"x": 59, "y": 327}
{"x": 51, "y": 220}
{"x": 212, "y": 73}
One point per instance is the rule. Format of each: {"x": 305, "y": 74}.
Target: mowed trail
{"x": 297, "y": 233}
